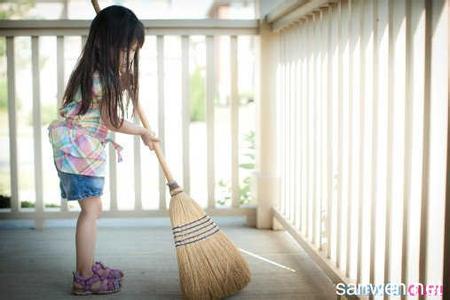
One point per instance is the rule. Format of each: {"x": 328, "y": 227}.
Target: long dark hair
{"x": 114, "y": 29}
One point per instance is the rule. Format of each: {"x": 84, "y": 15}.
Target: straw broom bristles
{"x": 210, "y": 266}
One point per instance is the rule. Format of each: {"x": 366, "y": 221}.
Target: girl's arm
{"x": 127, "y": 127}
{"x": 147, "y": 135}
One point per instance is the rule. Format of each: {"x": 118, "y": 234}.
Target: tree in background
{"x": 10, "y": 10}
{"x": 197, "y": 96}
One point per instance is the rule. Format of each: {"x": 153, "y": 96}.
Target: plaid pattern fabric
{"x": 79, "y": 141}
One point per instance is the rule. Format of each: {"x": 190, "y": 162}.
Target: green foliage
{"x": 245, "y": 195}
{"x": 2, "y": 46}
{"x": 250, "y": 139}
{"x": 246, "y": 97}
{"x": 4, "y": 182}
{"x": 225, "y": 187}
{"x": 247, "y": 166}
{"x": 197, "y": 96}
{"x": 3, "y": 94}
{"x": 13, "y": 9}
{"x": 244, "y": 191}
{"x": 48, "y": 114}
{"x": 26, "y": 204}
{"x": 5, "y": 201}
{"x": 20, "y": 63}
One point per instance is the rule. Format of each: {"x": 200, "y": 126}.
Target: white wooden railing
{"x": 158, "y": 28}
{"x": 362, "y": 135}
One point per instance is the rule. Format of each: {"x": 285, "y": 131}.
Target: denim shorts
{"x": 79, "y": 187}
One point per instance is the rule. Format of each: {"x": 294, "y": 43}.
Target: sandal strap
{"x": 115, "y": 283}
{"x": 93, "y": 279}
{"x": 99, "y": 263}
{"x": 78, "y": 279}
{"x": 110, "y": 272}
{"x": 85, "y": 282}
{"x": 96, "y": 270}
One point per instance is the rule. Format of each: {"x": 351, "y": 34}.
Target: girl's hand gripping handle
{"x": 149, "y": 138}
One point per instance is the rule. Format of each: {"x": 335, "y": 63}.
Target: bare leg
{"x": 86, "y": 233}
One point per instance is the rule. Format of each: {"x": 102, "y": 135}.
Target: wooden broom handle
{"x": 95, "y": 5}
{"x": 144, "y": 121}
{"x": 161, "y": 158}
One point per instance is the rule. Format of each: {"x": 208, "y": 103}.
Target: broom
{"x": 210, "y": 265}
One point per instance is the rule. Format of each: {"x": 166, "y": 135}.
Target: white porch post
{"x": 266, "y": 177}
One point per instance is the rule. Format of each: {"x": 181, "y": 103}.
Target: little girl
{"x": 91, "y": 110}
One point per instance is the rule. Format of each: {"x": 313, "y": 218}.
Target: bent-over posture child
{"x": 92, "y": 108}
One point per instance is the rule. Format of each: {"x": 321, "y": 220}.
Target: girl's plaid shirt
{"x": 79, "y": 141}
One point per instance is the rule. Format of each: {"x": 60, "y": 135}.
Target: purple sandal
{"x": 106, "y": 272}
{"x": 93, "y": 285}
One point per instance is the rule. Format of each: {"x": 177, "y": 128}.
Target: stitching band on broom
{"x": 186, "y": 235}
{"x": 210, "y": 265}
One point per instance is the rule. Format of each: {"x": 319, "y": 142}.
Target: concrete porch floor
{"x": 39, "y": 264}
